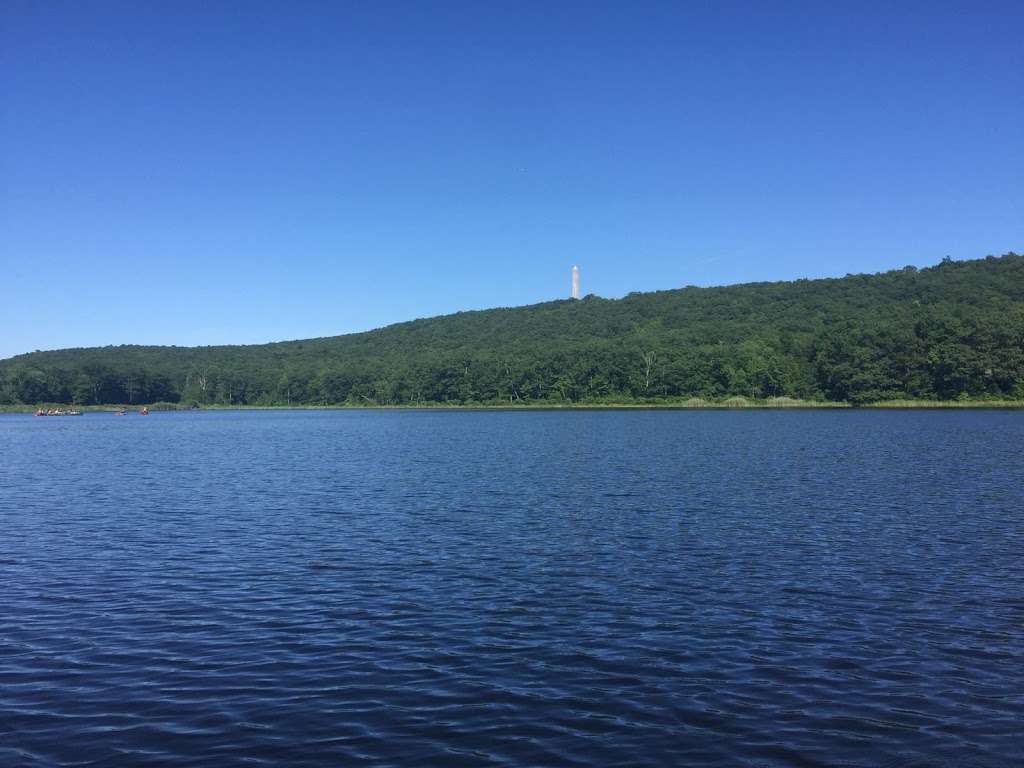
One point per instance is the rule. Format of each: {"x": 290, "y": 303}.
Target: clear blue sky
{"x": 219, "y": 172}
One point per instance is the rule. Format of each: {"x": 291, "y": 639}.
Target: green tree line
{"x": 955, "y": 330}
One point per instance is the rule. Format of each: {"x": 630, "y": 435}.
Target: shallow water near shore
{"x": 707, "y": 588}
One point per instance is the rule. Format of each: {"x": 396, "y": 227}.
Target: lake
{"x": 571, "y": 588}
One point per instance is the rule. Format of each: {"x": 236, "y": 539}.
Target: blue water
{"x": 512, "y": 588}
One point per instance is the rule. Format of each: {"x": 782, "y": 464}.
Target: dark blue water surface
{"x": 512, "y": 588}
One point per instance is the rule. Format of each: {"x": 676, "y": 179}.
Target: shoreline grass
{"x": 693, "y": 403}
{"x": 897, "y": 404}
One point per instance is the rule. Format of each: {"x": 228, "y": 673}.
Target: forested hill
{"x": 955, "y": 330}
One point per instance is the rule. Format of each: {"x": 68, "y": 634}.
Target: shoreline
{"x": 731, "y": 404}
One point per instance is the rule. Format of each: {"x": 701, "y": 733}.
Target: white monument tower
{"x": 575, "y": 282}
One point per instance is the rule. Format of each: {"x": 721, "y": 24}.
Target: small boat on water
{"x": 120, "y": 412}
{"x": 143, "y": 411}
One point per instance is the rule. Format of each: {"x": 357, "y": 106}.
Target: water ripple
{"x": 564, "y": 589}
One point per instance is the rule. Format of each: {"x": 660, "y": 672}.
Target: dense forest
{"x": 953, "y": 331}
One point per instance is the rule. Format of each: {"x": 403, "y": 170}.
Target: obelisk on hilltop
{"x": 575, "y": 282}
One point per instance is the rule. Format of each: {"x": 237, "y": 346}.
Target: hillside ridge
{"x": 954, "y": 330}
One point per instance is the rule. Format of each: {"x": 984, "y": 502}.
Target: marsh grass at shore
{"x": 731, "y": 403}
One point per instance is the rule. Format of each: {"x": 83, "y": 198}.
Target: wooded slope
{"x": 949, "y": 331}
